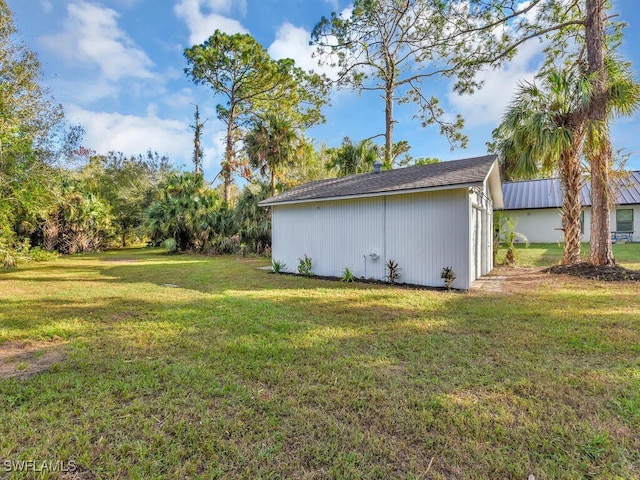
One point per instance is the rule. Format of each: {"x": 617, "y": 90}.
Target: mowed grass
{"x": 238, "y": 373}
{"x": 548, "y": 254}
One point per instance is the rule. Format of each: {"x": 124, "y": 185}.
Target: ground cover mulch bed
{"x": 602, "y": 273}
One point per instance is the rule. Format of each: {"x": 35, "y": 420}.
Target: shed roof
{"x": 547, "y": 193}
{"x": 450, "y": 174}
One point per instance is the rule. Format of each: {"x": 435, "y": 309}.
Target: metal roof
{"x": 470, "y": 171}
{"x": 547, "y": 193}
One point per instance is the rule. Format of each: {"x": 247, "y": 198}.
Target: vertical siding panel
{"x": 429, "y": 231}
{"x": 335, "y": 234}
{"x": 423, "y": 232}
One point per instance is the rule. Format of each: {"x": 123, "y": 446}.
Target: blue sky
{"x": 117, "y": 68}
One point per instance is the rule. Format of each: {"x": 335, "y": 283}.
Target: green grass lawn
{"x": 238, "y": 373}
{"x": 547, "y": 254}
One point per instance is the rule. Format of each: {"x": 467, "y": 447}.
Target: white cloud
{"x": 180, "y": 99}
{"x": 225, "y": 6}
{"x": 334, "y": 4}
{"x": 47, "y": 6}
{"x": 213, "y": 154}
{"x": 346, "y": 12}
{"x": 201, "y": 25}
{"x": 132, "y": 135}
{"x": 293, "y": 42}
{"x": 91, "y": 35}
{"x": 85, "y": 92}
{"x": 488, "y": 105}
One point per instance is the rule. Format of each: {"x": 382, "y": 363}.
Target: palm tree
{"x": 352, "y": 158}
{"x": 543, "y": 131}
{"x": 183, "y": 212}
{"x": 548, "y": 129}
{"x": 271, "y": 146}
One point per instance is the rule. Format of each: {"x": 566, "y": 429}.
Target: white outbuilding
{"x": 424, "y": 218}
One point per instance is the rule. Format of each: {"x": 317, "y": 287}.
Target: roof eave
{"x": 267, "y": 203}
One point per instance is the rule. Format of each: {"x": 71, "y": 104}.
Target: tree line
{"x": 557, "y": 124}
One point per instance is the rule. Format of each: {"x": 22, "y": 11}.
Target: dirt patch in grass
{"x": 121, "y": 260}
{"x": 585, "y": 270}
{"x": 522, "y": 279}
{"x": 22, "y": 359}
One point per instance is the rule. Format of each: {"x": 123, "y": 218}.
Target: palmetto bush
{"x": 192, "y": 214}
{"x": 81, "y": 222}
{"x": 253, "y": 223}
{"x": 188, "y": 211}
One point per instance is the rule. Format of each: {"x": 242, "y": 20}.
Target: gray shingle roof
{"x": 546, "y": 193}
{"x": 451, "y": 173}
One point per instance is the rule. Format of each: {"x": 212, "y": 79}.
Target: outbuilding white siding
{"x": 422, "y": 232}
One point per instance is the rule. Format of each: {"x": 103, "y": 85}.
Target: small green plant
{"x": 505, "y": 234}
{"x": 278, "y": 267}
{"x": 393, "y": 271}
{"x": 170, "y": 245}
{"x": 38, "y": 254}
{"x": 347, "y": 275}
{"x": 449, "y": 275}
{"x": 304, "y": 266}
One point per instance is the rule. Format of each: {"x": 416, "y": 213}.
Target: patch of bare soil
{"x": 522, "y": 279}
{"x": 592, "y": 272}
{"x": 121, "y": 260}
{"x": 22, "y": 359}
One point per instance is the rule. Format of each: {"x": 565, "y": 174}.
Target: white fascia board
{"x": 495, "y": 185}
{"x": 375, "y": 194}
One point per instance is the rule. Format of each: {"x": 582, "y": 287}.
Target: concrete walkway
{"x": 492, "y": 283}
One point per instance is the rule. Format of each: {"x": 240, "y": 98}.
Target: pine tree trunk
{"x": 599, "y": 145}
{"x": 228, "y": 159}
{"x": 388, "y": 133}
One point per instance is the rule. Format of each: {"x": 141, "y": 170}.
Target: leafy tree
{"x": 311, "y": 164}
{"x": 29, "y": 123}
{"x": 239, "y": 69}
{"x": 128, "y": 185}
{"x": 393, "y": 46}
{"x": 423, "y": 161}
{"x": 271, "y": 146}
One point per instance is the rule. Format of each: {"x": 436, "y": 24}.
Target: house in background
{"x": 424, "y": 218}
{"x": 536, "y": 204}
